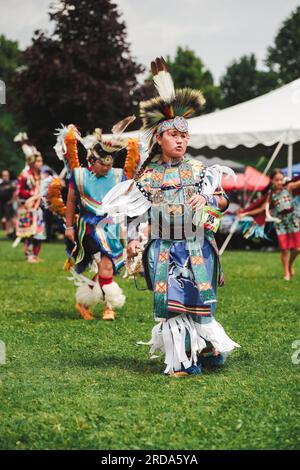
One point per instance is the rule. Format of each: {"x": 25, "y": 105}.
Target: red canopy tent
{"x": 246, "y": 181}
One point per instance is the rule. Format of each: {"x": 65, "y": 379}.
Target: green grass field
{"x": 72, "y": 384}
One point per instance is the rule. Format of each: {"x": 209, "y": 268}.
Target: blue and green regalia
{"x": 96, "y": 234}
{"x": 181, "y": 261}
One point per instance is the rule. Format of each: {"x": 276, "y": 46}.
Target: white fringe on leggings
{"x": 169, "y": 337}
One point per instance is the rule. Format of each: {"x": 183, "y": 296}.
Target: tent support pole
{"x": 229, "y": 237}
{"x": 235, "y": 224}
{"x": 290, "y": 160}
{"x": 269, "y": 164}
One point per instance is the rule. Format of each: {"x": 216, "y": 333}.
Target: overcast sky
{"x": 219, "y": 31}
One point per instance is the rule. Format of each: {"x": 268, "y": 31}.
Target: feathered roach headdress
{"x": 30, "y": 151}
{"x": 124, "y": 153}
{"x": 172, "y": 107}
{"x": 106, "y": 150}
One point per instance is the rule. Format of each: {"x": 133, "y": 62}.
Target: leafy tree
{"x": 10, "y": 156}
{"x": 188, "y": 70}
{"x": 242, "y": 81}
{"x": 82, "y": 73}
{"x": 284, "y": 56}
{"x": 9, "y": 58}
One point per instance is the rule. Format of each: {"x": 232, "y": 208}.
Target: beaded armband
{"x": 144, "y": 192}
{"x": 199, "y": 184}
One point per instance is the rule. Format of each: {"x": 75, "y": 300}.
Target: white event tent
{"x": 268, "y": 119}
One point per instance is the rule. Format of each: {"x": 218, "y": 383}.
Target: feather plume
{"x": 152, "y": 113}
{"x": 162, "y": 80}
{"x": 21, "y": 137}
{"x": 28, "y": 149}
{"x": 71, "y": 147}
{"x": 187, "y": 102}
{"x": 45, "y": 183}
{"x": 170, "y": 102}
{"x": 132, "y": 158}
{"x": 54, "y": 198}
{"x": 66, "y": 146}
{"x": 98, "y": 134}
{"x": 121, "y": 126}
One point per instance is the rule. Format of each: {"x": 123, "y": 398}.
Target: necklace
{"x": 173, "y": 162}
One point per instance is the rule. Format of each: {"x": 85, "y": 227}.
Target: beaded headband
{"x": 179, "y": 123}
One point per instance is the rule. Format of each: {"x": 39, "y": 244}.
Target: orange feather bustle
{"x": 54, "y": 198}
{"x": 71, "y": 145}
{"x": 132, "y": 158}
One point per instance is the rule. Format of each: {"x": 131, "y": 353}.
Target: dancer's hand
{"x": 132, "y": 249}
{"x": 197, "y": 201}
{"x": 70, "y": 234}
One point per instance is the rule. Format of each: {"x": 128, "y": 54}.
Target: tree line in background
{"x": 84, "y": 73}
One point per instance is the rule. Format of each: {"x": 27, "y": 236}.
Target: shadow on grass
{"x": 244, "y": 357}
{"x": 140, "y": 366}
{"x": 56, "y": 315}
{"x": 40, "y": 317}
{"x": 146, "y": 366}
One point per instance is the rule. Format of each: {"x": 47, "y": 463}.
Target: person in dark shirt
{"x": 7, "y": 194}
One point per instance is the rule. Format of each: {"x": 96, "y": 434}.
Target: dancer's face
{"x": 173, "y": 143}
{"x": 99, "y": 168}
{"x": 38, "y": 163}
{"x": 277, "y": 181}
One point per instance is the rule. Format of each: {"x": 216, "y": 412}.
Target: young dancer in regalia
{"x": 181, "y": 260}
{"x": 93, "y": 238}
{"x": 30, "y": 220}
{"x": 283, "y": 206}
